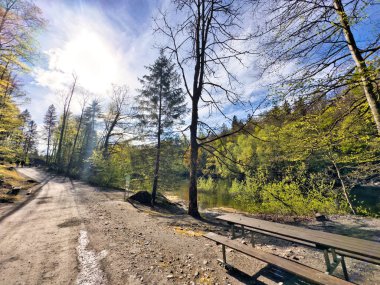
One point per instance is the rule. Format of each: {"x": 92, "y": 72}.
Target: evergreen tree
{"x": 30, "y": 138}
{"x": 50, "y": 121}
{"x": 91, "y": 114}
{"x": 160, "y": 105}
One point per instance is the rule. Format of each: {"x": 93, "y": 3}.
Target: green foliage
{"x": 288, "y": 163}
{"x": 110, "y": 171}
{"x": 161, "y": 103}
{"x": 207, "y": 184}
{"x": 296, "y": 194}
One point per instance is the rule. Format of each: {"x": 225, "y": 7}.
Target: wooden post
{"x": 344, "y": 268}
{"x": 252, "y": 239}
{"x": 224, "y": 254}
{"x": 327, "y": 260}
{"x": 335, "y": 258}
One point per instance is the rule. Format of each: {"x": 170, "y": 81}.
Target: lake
{"x": 206, "y": 199}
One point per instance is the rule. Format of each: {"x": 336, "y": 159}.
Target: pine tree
{"x": 161, "y": 104}
{"x": 30, "y": 139}
{"x": 50, "y": 121}
{"x": 90, "y": 138}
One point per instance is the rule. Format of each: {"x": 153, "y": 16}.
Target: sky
{"x": 103, "y": 42}
{"x": 107, "y": 42}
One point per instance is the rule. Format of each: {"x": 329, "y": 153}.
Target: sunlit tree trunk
{"x": 158, "y": 150}
{"x": 362, "y": 68}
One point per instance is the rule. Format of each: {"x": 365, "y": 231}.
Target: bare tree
{"x": 115, "y": 116}
{"x": 209, "y": 37}
{"x": 318, "y": 36}
{"x": 83, "y": 103}
{"x": 65, "y": 115}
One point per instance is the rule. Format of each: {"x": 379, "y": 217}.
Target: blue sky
{"x": 109, "y": 42}
{"x": 103, "y": 42}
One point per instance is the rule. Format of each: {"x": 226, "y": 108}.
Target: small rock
{"x": 170, "y": 276}
{"x": 196, "y": 274}
{"x": 298, "y": 257}
{"x": 205, "y": 262}
{"x": 321, "y": 218}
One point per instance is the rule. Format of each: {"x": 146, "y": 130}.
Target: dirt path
{"x": 72, "y": 233}
{"x": 38, "y": 243}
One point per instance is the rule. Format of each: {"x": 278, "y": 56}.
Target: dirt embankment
{"x": 13, "y": 185}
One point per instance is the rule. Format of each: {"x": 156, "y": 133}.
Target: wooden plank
{"x": 309, "y": 244}
{"x": 355, "y": 246}
{"x": 305, "y": 272}
{"x": 294, "y": 240}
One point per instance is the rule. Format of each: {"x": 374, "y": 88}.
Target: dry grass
{"x": 12, "y": 179}
{"x": 11, "y": 176}
{"x": 188, "y": 232}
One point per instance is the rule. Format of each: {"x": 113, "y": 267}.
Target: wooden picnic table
{"x": 338, "y": 245}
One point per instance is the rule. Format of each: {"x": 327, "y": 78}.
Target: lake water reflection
{"x": 219, "y": 197}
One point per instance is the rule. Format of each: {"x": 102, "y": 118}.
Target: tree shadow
{"x": 267, "y": 275}
{"x": 355, "y": 227}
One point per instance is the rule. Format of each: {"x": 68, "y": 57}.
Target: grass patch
{"x": 9, "y": 178}
{"x": 5, "y": 198}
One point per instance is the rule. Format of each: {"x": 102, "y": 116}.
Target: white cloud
{"x": 84, "y": 41}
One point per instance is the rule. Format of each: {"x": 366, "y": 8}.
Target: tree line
{"x": 322, "y": 123}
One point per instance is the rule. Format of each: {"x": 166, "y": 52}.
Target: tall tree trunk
{"x": 48, "y": 146}
{"x": 26, "y": 149}
{"x": 60, "y": 142}
{"x": 156, "y": 167}
{"x": 66, "y": 110}
{"x": 158, "y": 150}
{"x": 75, "y": 143}
{"x": 108, "y": 135}
{"x": 344, "y": 189}
{"x": 373, "y": 101}
{"x": 193, "y": 190}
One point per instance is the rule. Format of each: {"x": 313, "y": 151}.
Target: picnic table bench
{"x": 300, "y": 270}
{"x": 337, "y": 245}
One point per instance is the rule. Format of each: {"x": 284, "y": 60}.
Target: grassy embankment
{"x": 11, "y": 180}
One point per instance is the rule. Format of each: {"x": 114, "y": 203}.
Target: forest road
{"x": 39, "y": 243}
